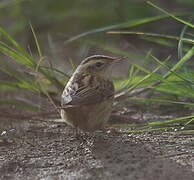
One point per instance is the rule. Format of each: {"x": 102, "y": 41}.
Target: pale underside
{"x": 88, "y": 117}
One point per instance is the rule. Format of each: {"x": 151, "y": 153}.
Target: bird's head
{"x": 97, "y": 65}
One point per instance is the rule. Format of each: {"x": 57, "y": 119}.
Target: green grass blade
{"x": 190, "y": 41}
{"x": 180, "y": 44}
{"x": 24, "y": 58}
{"x": 29, "y": 85}
{"x": 55, "y": 70}
{"x": 163, "y": 42}
{"x": 170, "y": 70}
{"x": 180, "y": 63}
{"x": 170, "y": 122}
{"x": 9, "y": 70}
{"x": 6, "y": 86}
{"x": 150, "y": 100}
{"x": 22, "y": 105}
{"x": 148, "y": 76}
{"x": 36, "y": 41}
{"x": 14, "y": 43}
{"x": 185, "y": 132}
{"x": 15, "y": 55}
{"x": 128, "y": 24}
{"x": 171, "y": 15}
{"x": 19, "y": 79}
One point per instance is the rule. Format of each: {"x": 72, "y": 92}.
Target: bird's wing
{"x": 90, "y": 92}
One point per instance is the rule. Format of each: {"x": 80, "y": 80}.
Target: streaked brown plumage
{"x": 88, "y": 96}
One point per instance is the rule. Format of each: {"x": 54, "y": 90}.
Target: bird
{"x": 87, "y": 99}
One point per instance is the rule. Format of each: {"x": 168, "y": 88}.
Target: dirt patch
{"x": 58, "y": 154}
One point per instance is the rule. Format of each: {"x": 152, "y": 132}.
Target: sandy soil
{"x": 51, "y": 151}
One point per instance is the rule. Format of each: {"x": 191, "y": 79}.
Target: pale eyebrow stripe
{"x": 94, "y": 57}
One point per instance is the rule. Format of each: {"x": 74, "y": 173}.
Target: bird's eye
{"x": 99, "y": 64}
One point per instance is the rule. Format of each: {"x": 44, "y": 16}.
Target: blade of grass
{"x": 14, "y": 43}
{"x": 180, "y": 44}
{"x": 161, "y": 101}
{"x": 20, "y": 80}
{"x": 19, "y": 85}
{"x": 20, "y": 58}
{"x": 149, "y": 126}
{"x": 169, "y": 122}
{"x": 73, "y": 66}
{"x": 128, "y": 24}
{"x": 157, "y": 38}
{"x": 185, "y": 132}
{"x": 21, "y": 105}
{"x": 50, "y": 76}
{"x": 170, "y": 70}
{"x": 36, "y": 41}
{"x": 180, "y": 63}
{"x": 190, "y": 41}
{"x": 9, "y": 70}
{"x": 147, "y": 76}
{"x": 179, "y": 91}
{"x": 163, "y": 42}
{"x": 171, "y": 15}
{"x": 56, "y": 70}
{"x": 132, "y": 92}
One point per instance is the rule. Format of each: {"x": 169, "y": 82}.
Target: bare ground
{"x": 47, "y": 150}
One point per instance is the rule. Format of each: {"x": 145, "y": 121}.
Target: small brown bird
{"x": 87, "y": 99}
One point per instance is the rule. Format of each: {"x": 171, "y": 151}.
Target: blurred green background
{"x": 68, "y": 31}
{"x": 56, "y": 21}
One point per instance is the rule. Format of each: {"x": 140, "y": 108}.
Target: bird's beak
{"x": 119, "y": 59}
